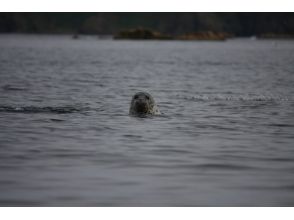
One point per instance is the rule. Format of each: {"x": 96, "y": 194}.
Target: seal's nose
{"x": 141, "y": 106}
{"x": 140, "y": 103}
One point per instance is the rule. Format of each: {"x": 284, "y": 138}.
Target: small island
{"x": 141, "y": 34}
{"x": 148, "y": 34}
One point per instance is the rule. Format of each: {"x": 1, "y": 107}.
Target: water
{"x": 225, "y": 137}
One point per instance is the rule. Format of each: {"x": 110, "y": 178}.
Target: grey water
{"x": 225, "y": 138}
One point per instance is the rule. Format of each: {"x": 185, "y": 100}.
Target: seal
{"x": 143, "y": 104}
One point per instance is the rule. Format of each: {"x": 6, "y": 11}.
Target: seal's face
{"x": 142, "y": 103}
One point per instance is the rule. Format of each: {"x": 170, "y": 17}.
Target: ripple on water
{"x": 221, "y": 97}
{"x": 225, "y": 136}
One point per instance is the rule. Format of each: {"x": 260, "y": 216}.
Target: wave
{"x": 221, "y": 97}
{"x": 13, "y": 88}
{"x": 46, "y": 109}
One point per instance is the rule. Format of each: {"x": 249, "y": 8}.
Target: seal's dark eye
{"x": 136, "y": 96}
{"x": 147, "y": 97}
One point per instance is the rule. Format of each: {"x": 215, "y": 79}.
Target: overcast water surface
{"x": 225, "y": 138}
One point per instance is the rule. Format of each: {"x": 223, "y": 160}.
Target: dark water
{"x": 226, "y": 137}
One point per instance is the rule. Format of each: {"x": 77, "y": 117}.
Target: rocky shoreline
{"x": 275, "y": 36}
{"x": 148, "y": 34}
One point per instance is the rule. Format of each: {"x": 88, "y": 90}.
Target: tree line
{"x": 238, "y": 24}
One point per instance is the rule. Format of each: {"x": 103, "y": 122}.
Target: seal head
{"x": 143, "y": 104}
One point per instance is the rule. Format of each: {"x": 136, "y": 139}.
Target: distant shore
{"x": 200, "y": 36}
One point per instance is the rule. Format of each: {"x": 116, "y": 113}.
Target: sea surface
{"x": 225, "y": 138}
